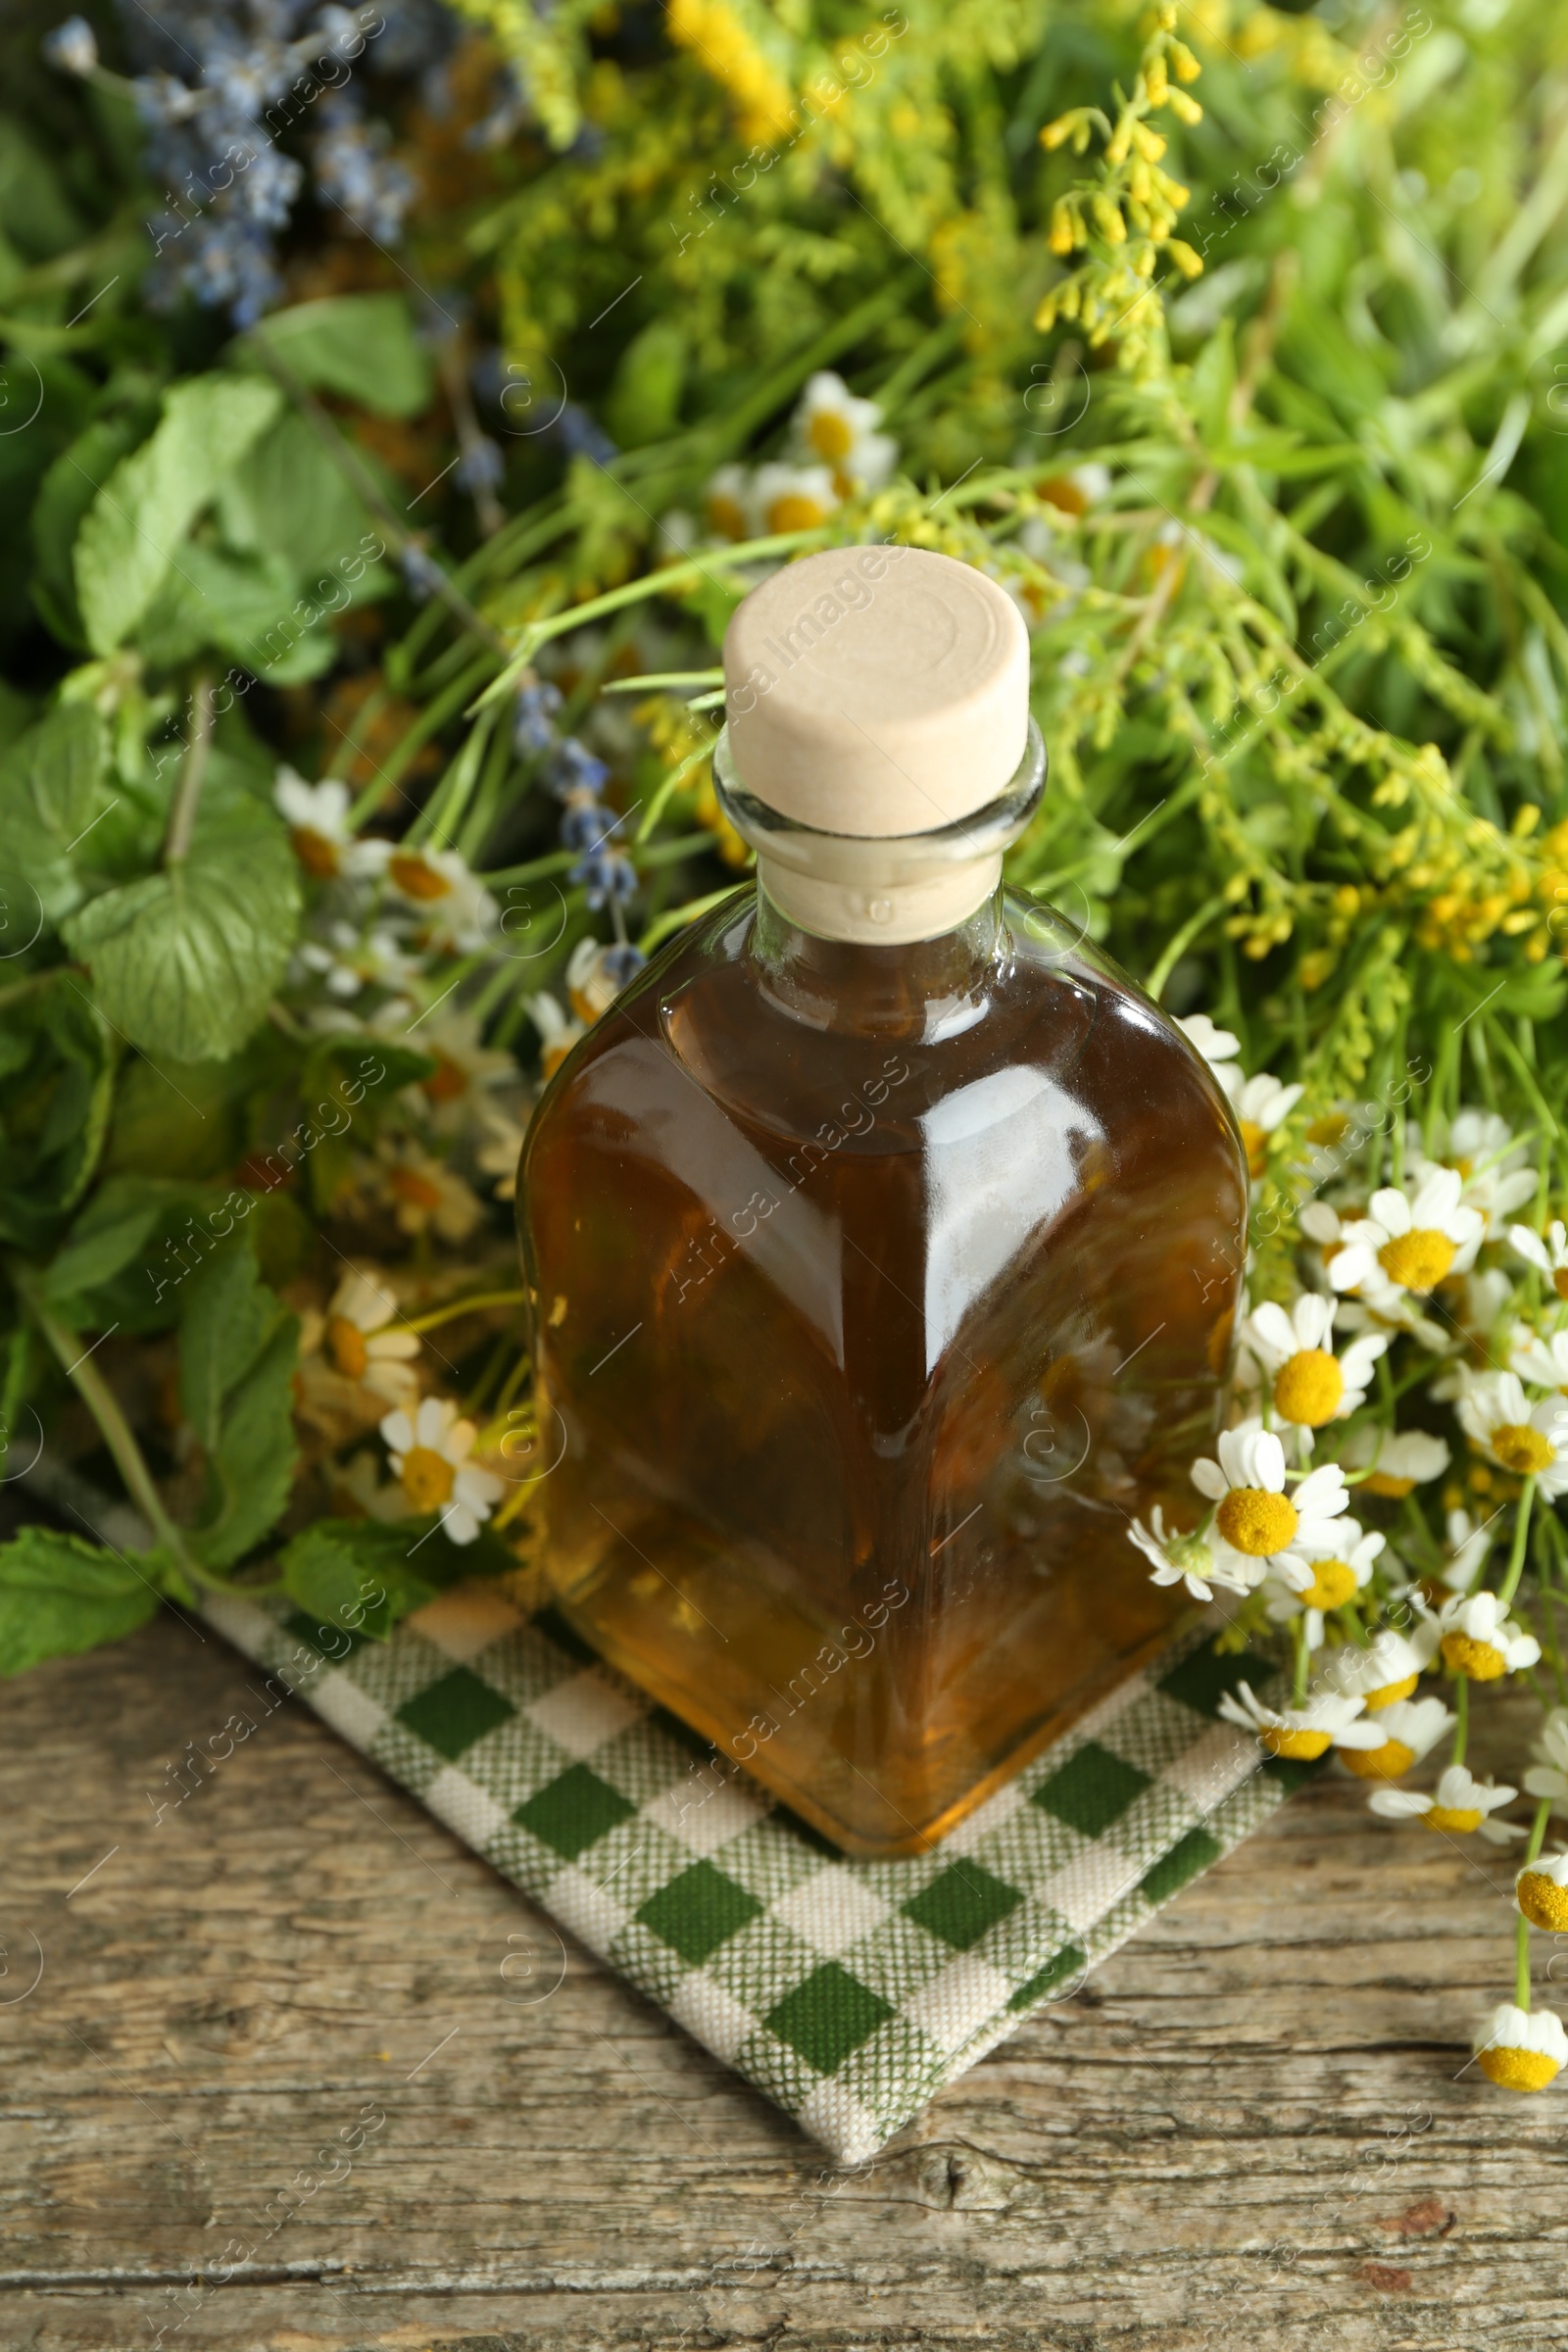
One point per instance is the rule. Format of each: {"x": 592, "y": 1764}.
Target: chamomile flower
{"x": 1530, "y": 1440}
{"x": 1491, "y": 1166}
{"x": 1404, "y": 1459}
{"x": 832, "y": 425}
{"x": 466, "y": 1069}
{"x": 1548, "y": 1257}
{"x": 1468, "y": 1545}
{"x": 729, "y": 503}
{"x": 1326, "y": 1720}
{"x": 429, "y": 1454}
{"x": 1543, "y": 1360}
{"x": 501, "y": 1152}
{"x": 1320, "y": 1577}
{"x": 557, "y": 1033}
{"x": 455, "y": 912}
{"x": 1216, "y": 1045}
{"x": 1255, "y": 1521}
{"x": 1309, "y": 1384}
{"x": 1386, "y": 1671}
{"x": 1408, "y": 1730}
{"x": 1521, "y": 2049}
{"x": 347, "y": 960}
{"x": 1459, "y": 1804}
{"x": 1181, "y": 1559}
{"x": 361, "y": 1342}
{"x": 595, "y": 978}
{"x": 1478, "y": 1637}
{"x": 1548, "y": 1774}
{"x": 1411, "y": 1241}
{"x": 794, "y": 498}
{"x": 1261, "y": 1104}
{"x": 426, "y": 1195}
{"x": 317, "y": 817}
{"x": 1540, "y": 1892}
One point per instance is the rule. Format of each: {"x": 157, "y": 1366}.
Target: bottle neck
{"x": 921, "y": 988}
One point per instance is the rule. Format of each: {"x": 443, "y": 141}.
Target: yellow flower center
{"x": 1559, "y": 1282}
{"x": 1459, "y": 1818}
{"x": 1384, "y": 1763}
{"x": 1543, "y": 1902}
{"x": 427, "y": 1478}
{"x": 416, "y": 879}
{"x": 1520, "y": 1447}
{"x": 1387, "y": 1692}
{"x": 829, "y": 434}
{"x": 1482, "y": 1661}
{"x": 1383, "y": 1482}
{"x": 314, "y": 852}
{"x": 447, "y": 1081}
{"x": 1332, "y": 1583}
{"x": 1330, "y": 1130}
{"x": 726, "y": 515}
{"x": 1418, "y": 1260}
{"x": 793, "y": 511}
{"x": 1518, "y": 2070}
{"x": 417, "y": 1191}
{"x": 551, "y": 1057}
{"x": 1310, "y": 1388}
{"x": 1255, "y": 1143}
{"x": 345, "y": 1344}
{"x": 1256, "y": 1522}
{"x": 1303, "y": 1745}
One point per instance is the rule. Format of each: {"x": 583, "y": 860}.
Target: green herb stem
{"x": 1521, "y": 1534}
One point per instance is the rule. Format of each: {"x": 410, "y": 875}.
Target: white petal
{"x": 1392, "y": 1210}
{"x": 1209, "y": 1479}
{"x": 398, "y": 1431}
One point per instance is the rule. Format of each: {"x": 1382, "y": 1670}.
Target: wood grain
{"x": 1255, "y": 2126}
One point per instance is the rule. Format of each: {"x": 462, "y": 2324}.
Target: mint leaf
{"x": 50, "y": 792}
{"x": 358, "y": 1574}
{"x": 118, "y": 1226}
{"x": 185, "y": 963}
{"x": 131, "y": 532}
{"x": 57, "y": 1079}
{"x": 238, "y": 1347}
{"x": 59, "y": 1596}
{"x": 361, "y": 345}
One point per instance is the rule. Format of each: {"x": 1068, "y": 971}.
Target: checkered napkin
{"x": 848, "y": 1992}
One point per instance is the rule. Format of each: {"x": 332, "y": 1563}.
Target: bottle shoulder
{"x": 1057, "y": 1035}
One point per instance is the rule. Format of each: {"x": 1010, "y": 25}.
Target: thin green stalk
{"x": 1521, "y": 1533}
{"x": 1178, "y": 947}
{"x": 431, "y": 720}
{"x": 676, "y": 918}
{"x": 663, "y": 582}
{"x": 98, "y": 1397}
{"x": 1538, "y": 1839}
{"x": 443, "y": 812}
{"x": 192, "y": 776}
{"x": 1303, "y": 1660}
{"x": 1462, "y": 1729}
{"x": 463, "y": 1307}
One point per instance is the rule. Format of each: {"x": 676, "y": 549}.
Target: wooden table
{"x": 1254, "y": 2127}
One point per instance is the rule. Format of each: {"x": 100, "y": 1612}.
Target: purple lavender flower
{"x": 574, "y": 768}
{"x": 606, "y": 875}
{"x": 532, "y": 730}
{"x": 622, "y": 962}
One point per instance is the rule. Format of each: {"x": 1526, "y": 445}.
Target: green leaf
{"x": 56, "y": 1078}
{"x": 238, "y": 1348}
{"x": 60, "y": 1596}
{"x": 132, "y": 531}
{"x": 357, "y": 1574}
{"x": 185, "y": 962}
{"x": 116, "y": 1227}
{"x": 66, "y": 491}
{"x": 287, "y": 499}
{"x": 361, "y": 345}
{"x": 50, "y": 792}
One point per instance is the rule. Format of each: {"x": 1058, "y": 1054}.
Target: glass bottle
{"x": 877, "y": 1283}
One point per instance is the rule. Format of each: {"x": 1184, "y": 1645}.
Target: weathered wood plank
{"x": 1254, "y": 2127}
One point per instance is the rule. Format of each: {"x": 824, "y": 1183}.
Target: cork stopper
{"x": 876, "y": 691}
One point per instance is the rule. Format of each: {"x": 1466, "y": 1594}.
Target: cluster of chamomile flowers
{"x": 834, "y": 452}
{"x": 1438, "y": 1260}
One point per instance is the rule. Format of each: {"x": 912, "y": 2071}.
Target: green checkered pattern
{"x": 848, "y": 1992}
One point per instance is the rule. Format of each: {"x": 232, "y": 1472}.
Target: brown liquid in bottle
{"x": 875, "y": 1290}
